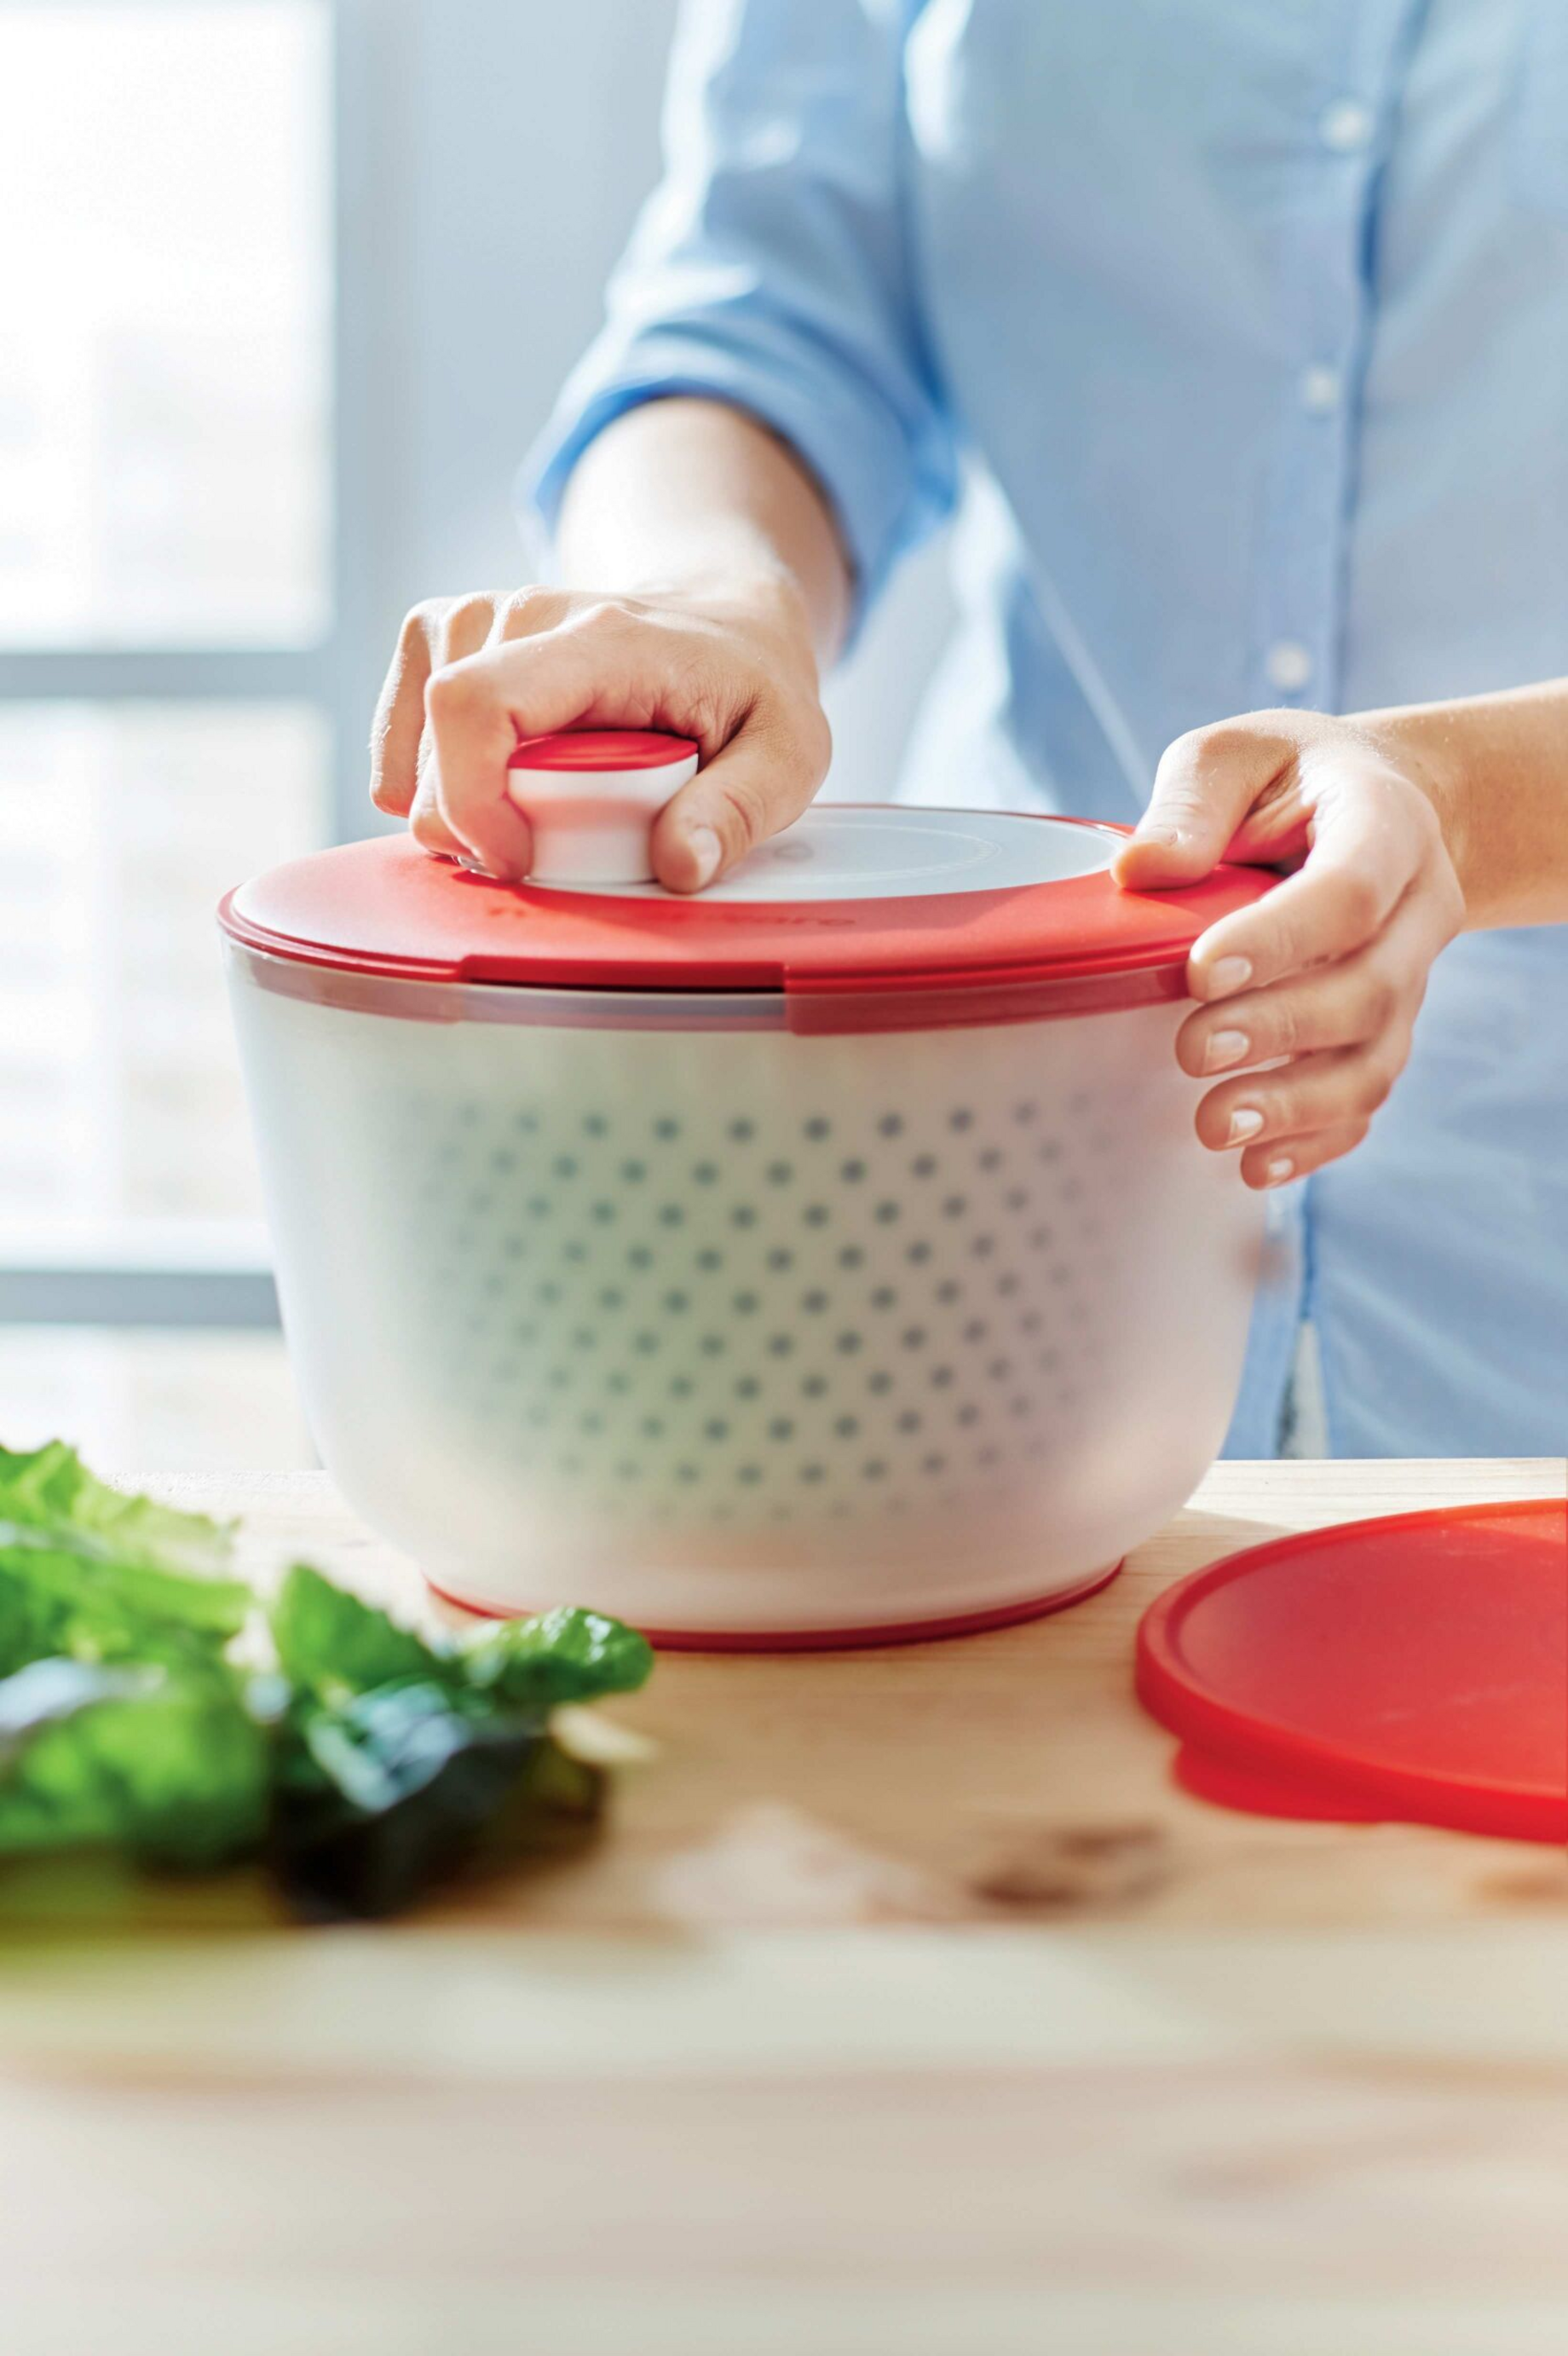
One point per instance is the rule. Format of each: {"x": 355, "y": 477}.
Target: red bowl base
{"x": 829, "y": 1640}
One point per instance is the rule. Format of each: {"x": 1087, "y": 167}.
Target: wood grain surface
{"x": 904, "y": 2006}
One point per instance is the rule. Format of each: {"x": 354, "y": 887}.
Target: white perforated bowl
{"x": 643, "y": 1301}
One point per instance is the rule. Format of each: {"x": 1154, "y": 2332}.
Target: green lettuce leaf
{"x": 164, "y": 1762}
{"x": 331, "y": 1643}
{"x": 51, "y": 1488}
{"x": 563, "y": 1655}
{"x": 79, "y": 1575}
{"x": 32, "y": 1622}
{"x": 87, "y": 1571}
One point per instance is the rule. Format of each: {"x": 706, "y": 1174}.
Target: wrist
{"x": 1429, "y": 745}
{"x": 763, "y": 596}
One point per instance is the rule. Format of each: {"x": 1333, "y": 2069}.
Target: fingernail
{"x": 1278, "y": 1172}
{"x": 705, "y": 851}
{"x": 1245, "y": 1122}
{"x": 474, "y": 866}
{"x": 1225, "y": 1048}
{"x": 1229, "y": 975}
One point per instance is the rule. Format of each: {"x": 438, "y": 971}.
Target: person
{"x": 1238, "y": 340}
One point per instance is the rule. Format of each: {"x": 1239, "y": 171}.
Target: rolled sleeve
{"x": 772, "y": 270}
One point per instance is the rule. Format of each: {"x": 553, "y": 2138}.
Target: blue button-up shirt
{"x": 1237, "y": 333}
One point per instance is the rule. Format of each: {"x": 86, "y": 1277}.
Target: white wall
{"x": 513, "y": 142}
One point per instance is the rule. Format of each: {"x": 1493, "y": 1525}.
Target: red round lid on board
{"x": 864, "y": 916}
{"x": 1413, "y": 1668}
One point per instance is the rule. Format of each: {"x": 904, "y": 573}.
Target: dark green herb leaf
{"x": 392, "y": 1790}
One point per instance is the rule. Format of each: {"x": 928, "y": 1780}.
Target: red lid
{"x": 1413, "y": 1668}
{"x": 867, "y": 916}
{"x": 602, "y": 748}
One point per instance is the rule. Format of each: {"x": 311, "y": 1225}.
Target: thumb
{"x": 1206, "y": 783}
{"x": 758, "y": 783}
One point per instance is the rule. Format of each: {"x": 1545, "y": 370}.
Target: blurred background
{"x": 286, "y": 288}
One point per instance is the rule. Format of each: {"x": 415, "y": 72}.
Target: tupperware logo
{"x": 505, "y": 905}
{"x": 805, "y": 919}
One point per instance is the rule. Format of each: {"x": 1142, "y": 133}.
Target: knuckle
{"x": 743, "y": 815}
{"x": 1262, "y": 742}
{"x": 605, "y": 617}
{"x": 462, "y": 628}
{"x": 474, "y": 605}
{"x": 454, "y": 688}
{"x": 1380, "y": 1000}
{"x": 1181, "y": 753}
{"x": 527, "y": 612}
{"x": 1284, "y": 1028}
{"x": 1214, "y": 748}
{"x": 1180, "y": 793}
{"x": 1287, "y": 944}
{"x": 428, "y": 827}
{"x": 703, "y": 709}
{"x": 1185, "y": 805}
{"x": 1376, "y": 1079}
{"x": 1184, "y": 774}
{"x": 1360, "y": 903}
{"x": 420, "y": 621}
{"x": 735, "y": 688}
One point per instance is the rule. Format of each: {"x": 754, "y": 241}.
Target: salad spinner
{"x": 827, "y": 1258}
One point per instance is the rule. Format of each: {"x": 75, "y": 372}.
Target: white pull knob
{"x": 591, "y": 797}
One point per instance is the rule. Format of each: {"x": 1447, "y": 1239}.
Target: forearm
{"x": 691, "y": 496}
{"x": 1496, "y": 768}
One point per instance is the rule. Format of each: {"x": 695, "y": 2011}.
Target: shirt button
{"x": 1289, "y": 665}
{"x": 1320, "y": 391}
{"x": 1346, "y": 126}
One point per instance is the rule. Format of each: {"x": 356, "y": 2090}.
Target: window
{"x": 166, "y": 323}
{"x": 120, "y": 825}
{"x": 171, "y": 593}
